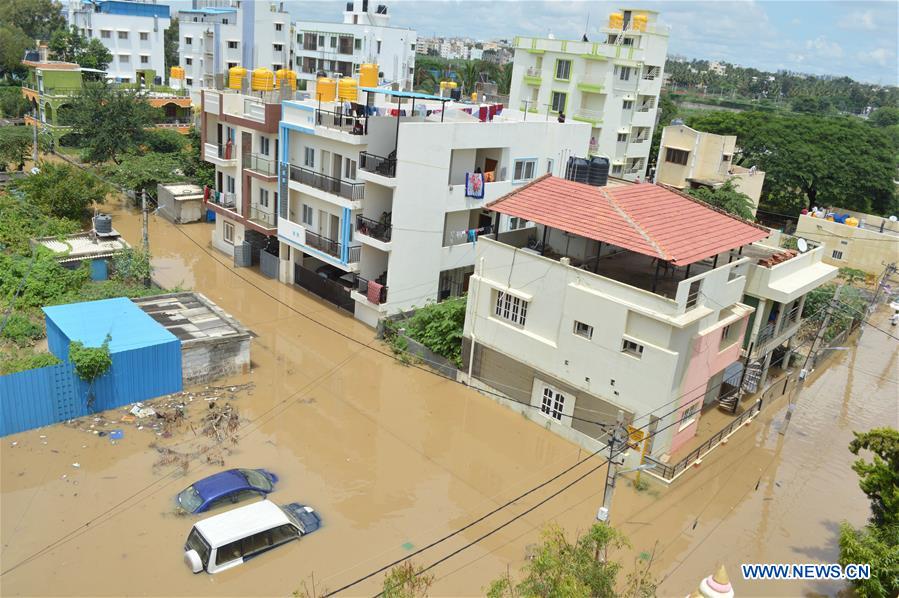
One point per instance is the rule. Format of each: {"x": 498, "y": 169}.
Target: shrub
{"x": 21, "y": 330}
{"x": 438, "y": 326}
{"x": 13, "y": 362}
{"x": 90, "y": 362}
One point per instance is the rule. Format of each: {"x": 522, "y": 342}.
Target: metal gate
{"x": 268, "y": 263}
{"x": 243, "y": 255}
{"x": 329, "y": 290}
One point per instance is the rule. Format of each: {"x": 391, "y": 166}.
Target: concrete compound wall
{"x": 207, "y": 361}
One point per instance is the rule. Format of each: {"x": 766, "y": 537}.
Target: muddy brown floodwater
{"x": 394, "y": 457}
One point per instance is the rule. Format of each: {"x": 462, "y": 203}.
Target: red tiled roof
{"x": 643, "y": 218}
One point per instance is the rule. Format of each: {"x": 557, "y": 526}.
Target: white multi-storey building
{"x": 630, "y": 298}
{"x": 380, "y": 203}
{"x": 365, "y": 36}
{"x": 133, "y": 32}
{"x": 612, "y": 83}
{"x": 215, "y": 38}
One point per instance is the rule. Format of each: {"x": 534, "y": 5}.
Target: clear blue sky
{"x": 854, "y": 38}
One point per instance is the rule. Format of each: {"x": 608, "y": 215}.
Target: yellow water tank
{"x": 176, "y": 72}
{"x": 368, "y": 75}
{"x": 325, "y": 89}
{"x": 236, "y": 75}
{"x": 639, "y": 22}
{"x": 347, "y": 89}
{"x": 263, "y": 80}
{"x": 852, "y": 221}
{"x": 474, "y": 96}
{"x": 616, "y": 20}
{"x": 288, "y": 75}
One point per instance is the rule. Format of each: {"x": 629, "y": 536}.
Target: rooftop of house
{"x": 644, "y": 218}
{"x": 90, "y": 322}
{"x": 184, "y": 191}
{"x": 192, "y": 317}
{"x": 83, "y": 245}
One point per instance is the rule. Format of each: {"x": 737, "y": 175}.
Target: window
{"x": 357, "y": 44}
{"x": 264, "y": 145}
{"x": 379, "y": 46}
{"x": 229, "y": 184}
{"x": 105, "y": 33}
{"x": 524, "y": 169}
{"x": 228, "y": 232}
{"x": 676, "y": 156}
{"x": 189, "y": 82}
{"x": 726, "y": 336}
{"x": 350, "y": 170}
{"x": 563, "y": 70}
{"x": 196, "y": 542}
{"x": 188, "y": 61}
{"x": 837, "y": 254}
{"x": 309, "y": 157}
{"x": 124, "y": 58}
{"x": 279, "y": 26}
{"x": 622, "y": 137}
{"x": 688, "y": 414}
{"x": 632, "y": 348}
{"x": 584, "y": 330}
{"x": 616, "y": 169}
{"x": 307, "y": 215}
{"x": 228, "y": 553}
{"x": 511, "y": 308}
{"x": 321, "y": 40}
{"x": 145, "y": 60}
{"x": 276, "y": 67}
{"x": 144, "y": 36}
{"x": 515, "y": 223}
{"x": 263, "y": 198}
{"x": 188, "y": 41}
{"x": 627, "y": 105}
{"x": 90, "y": 32}
{"x": 558, "y": 101}
{"x": 549, "y": 165}
{"x": 624, "y": 73}
{"x": 278, "y": 47}
{"x": 333, "y": 41}
{"x": 122, "y": 34}
{"x": 553, "y": 403}
{"x": 232, "y": 45}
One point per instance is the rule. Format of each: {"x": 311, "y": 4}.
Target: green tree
{"x": 503, "y": 77}
{"x": 407, "y": 581}
{"x": 12, "y": 103}
{"x": 574, "y": 570}
{"x": 37, "y": 19}
{"x": 878, "y": 542}
{"x": 813, "y": 160}
{"x": 15, "y": 145}
{"x": 111, "y": 122}
{"x": 21, "y": 221}
{"x": 196, "y": 168}
{"x": 63, "y": 191}
{"x": 667, "y": 113}
{"x": 13, "y": 43}
{"x": 165, "y": 141}
{"x": 142, "y": 172}
{"x": 438, "y": 326}
{"x": 70, "y": 46}
{"x": 884, "y": 117}
{"x": 726, "y": 198}
{"x": 171, "y": 47}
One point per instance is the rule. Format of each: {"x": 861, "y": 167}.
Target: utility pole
{"x": 612, "y": 470}
{"x": 145, "y": 231}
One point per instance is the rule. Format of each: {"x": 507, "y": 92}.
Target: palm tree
{"x": 424, "y": 79}
{"x": 503, "y": 78}
{"x": 469, "y": 73}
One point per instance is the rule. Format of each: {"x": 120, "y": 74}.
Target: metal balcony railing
{"x": 324, "y": 244}
{"x": 345, "y": 189}
{"x": 260, "y": 163}
{"x": 374, "y": 229}
{"x": 267, "y": 218}
{"x": 355, "y": 125}
{"x": 377, "y": 164}
{"x": 533, "y": 72}
{"x": 226, "y": 200}
{"x": 354, "y": 254}
{"x": 765, "y": 335}
{"x": 220, "y": 151}
{"x": 362, "y": 288}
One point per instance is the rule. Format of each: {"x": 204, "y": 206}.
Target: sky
{"x": 855, "y": 38}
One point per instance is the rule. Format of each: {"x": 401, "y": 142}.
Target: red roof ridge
{"x": 646, "y": 236}
{"x": 711, "y": 207}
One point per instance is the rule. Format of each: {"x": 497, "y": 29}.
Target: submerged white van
{"x": 227, "y": 540}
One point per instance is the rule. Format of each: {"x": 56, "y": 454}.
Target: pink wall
{"x": 705, "y": 361}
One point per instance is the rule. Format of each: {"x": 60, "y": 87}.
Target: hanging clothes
{"x": 206, "y": 192}
{"x": 491, "y": 111}
{"x": 228, "y": 147}
{"x": 482, "y": 114}
{"x": 474, "y": 185}
{"x": 374, "y": 292}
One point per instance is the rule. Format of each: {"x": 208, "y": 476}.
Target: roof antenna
{"x": 586, "y": 28}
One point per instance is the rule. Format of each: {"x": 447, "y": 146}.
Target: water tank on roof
{"x": 368, "y": 75}
{"x": 236, "y": 76}
{"x": 598, "y": 173}
{"x": 103, "y": 224}
{"x": 347, "y": 89}
{"x": 176, "y": 72}
{"x": 263, "y": 80}
{"x": 616, "y": 20}
{"x": 325, "y": 89}
{"x": 577, "y": 169}
{"x": 639, "y": 22}
{"x": 288, "y": 75}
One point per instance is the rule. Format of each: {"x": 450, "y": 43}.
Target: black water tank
{"x": 103, "y": 224}
{"x": 598, "y": 174}
{"x": 577, "y": 169}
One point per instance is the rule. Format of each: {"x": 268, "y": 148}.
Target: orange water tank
{"x": 325, "y": 89}
{"x": 639, "y": 22}
{"x": 347, "y": 89}
{"x": 616, "y": 20}
{"x": 263, "y": 80}
{"x": 236, "y": 75}
{"x": 368, "y": 75}
{"x": 176, "y": 72}
{"x": 288, "y": 75}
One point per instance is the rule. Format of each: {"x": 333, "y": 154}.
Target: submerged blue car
{"x": 226, "y": 487}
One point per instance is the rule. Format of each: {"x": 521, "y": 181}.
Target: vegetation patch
{"x": 90, "y": 362}
{"x": 437, "y": 326}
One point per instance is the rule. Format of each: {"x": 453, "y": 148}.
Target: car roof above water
{"x": 221, "y": 483}
{"x": 241, "y": 522}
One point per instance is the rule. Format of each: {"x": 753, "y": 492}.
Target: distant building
{"x": 612, "y": 83}
{"x": 180, "y": 202}
{"x": 133, "y": 32}
{"x": 718, "y": 68}
{"x": 867, "y": 243}
{"x": 86, "y": 247}
{"x": 215, "y": 38}
{"x": 689, "y": 159}
{"x": 364, "y": 36}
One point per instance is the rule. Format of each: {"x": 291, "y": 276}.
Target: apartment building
{"x": 604, "y": 306}
{"x": 852, "y": 239}
{"x": 389, "y": 207}
{"x": 689, "y": 159}
{"x": 212, "y": 39}
{"x": 365, "y": 36}
{"x": 240, "y": 136}
{"x": 612, "y": 83}
{"x": 133, "y": 32}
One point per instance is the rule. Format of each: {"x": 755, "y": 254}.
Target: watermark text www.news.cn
{"x": 798, "y": 571}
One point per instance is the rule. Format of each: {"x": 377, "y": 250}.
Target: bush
{"x": 438, "y": 326}
{"x": 90, "y": 362}
{"x": 131, "y": 266}
{"x": 22, "y": 331}
{"x": 13, "y": 362}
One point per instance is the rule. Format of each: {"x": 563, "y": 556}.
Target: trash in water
{"x": 116, "y": 434}
{"x": 140, "y": 411}
{"x": 76, "y": 465}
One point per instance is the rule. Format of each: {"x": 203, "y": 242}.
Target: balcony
{"x": 224, "y": 200}
{"x": 220, "y": 153}
{"x": 266, "y": 219}
{"x": 261, "y": 164}
{"x": 375, "y": 298}
{"x": 533, "y": 76}
{"x": 354, "y": 125}
{"x": 644, "y": 116}
{"x": 590, "y": 85}
{"x": 374, "y": 229}
{"x": 593, "y": 117}
{"x": 379, "y": 165}
{"x": 323, "y": 182}
{"x": 323, "y": 244}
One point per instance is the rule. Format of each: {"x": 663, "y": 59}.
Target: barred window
{"x": 511, "y": 308}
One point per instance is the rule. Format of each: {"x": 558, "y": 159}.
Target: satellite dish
{"x": 802, "y": 244}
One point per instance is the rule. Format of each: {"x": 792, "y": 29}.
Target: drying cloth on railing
{"x": 491, "y": 111}
{"x": 474, "y": 185}
{"x": 228, "y": 147}
{"x": 206, "y": 191}
{"x": 374, "y": 292}
{"x": 482, "y": 113}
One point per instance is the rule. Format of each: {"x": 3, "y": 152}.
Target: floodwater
{"x": 394, "y": 458}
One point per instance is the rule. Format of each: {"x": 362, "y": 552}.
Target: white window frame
{"x": 309, "y": 157}
{"x": 121, "y": 35}
{"x": 229, "y": 183}
{"x": 527, "y": 164}
{"x": 688, "y": 416}
{"x": 144, "y": 59}
{"x": 264, "y": 145}
{"x": 511, "y": 308}
{"x": 550, "y": 164}
{"x": 236, "y": 45}
{"x": 189, "y": 81}
{"x": 125, "y": 58}
{"x": 227, "y": 232}
{"x": 516, "y": 223}
{"x": 263, "y": 197}
{"x": 836, "y": 254}
{"x": 583, "y": 330}
{"x": 308, "y": 215}
{"x": 622, "y": 137}
{"x": 144, "y": 36}
{"x": 552, "y": 403}
{"x": 627, "y": 104}
{"x": 106, "y": 34}
{"x": 632, "y": 348}
{"x": 188, "y": 40}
